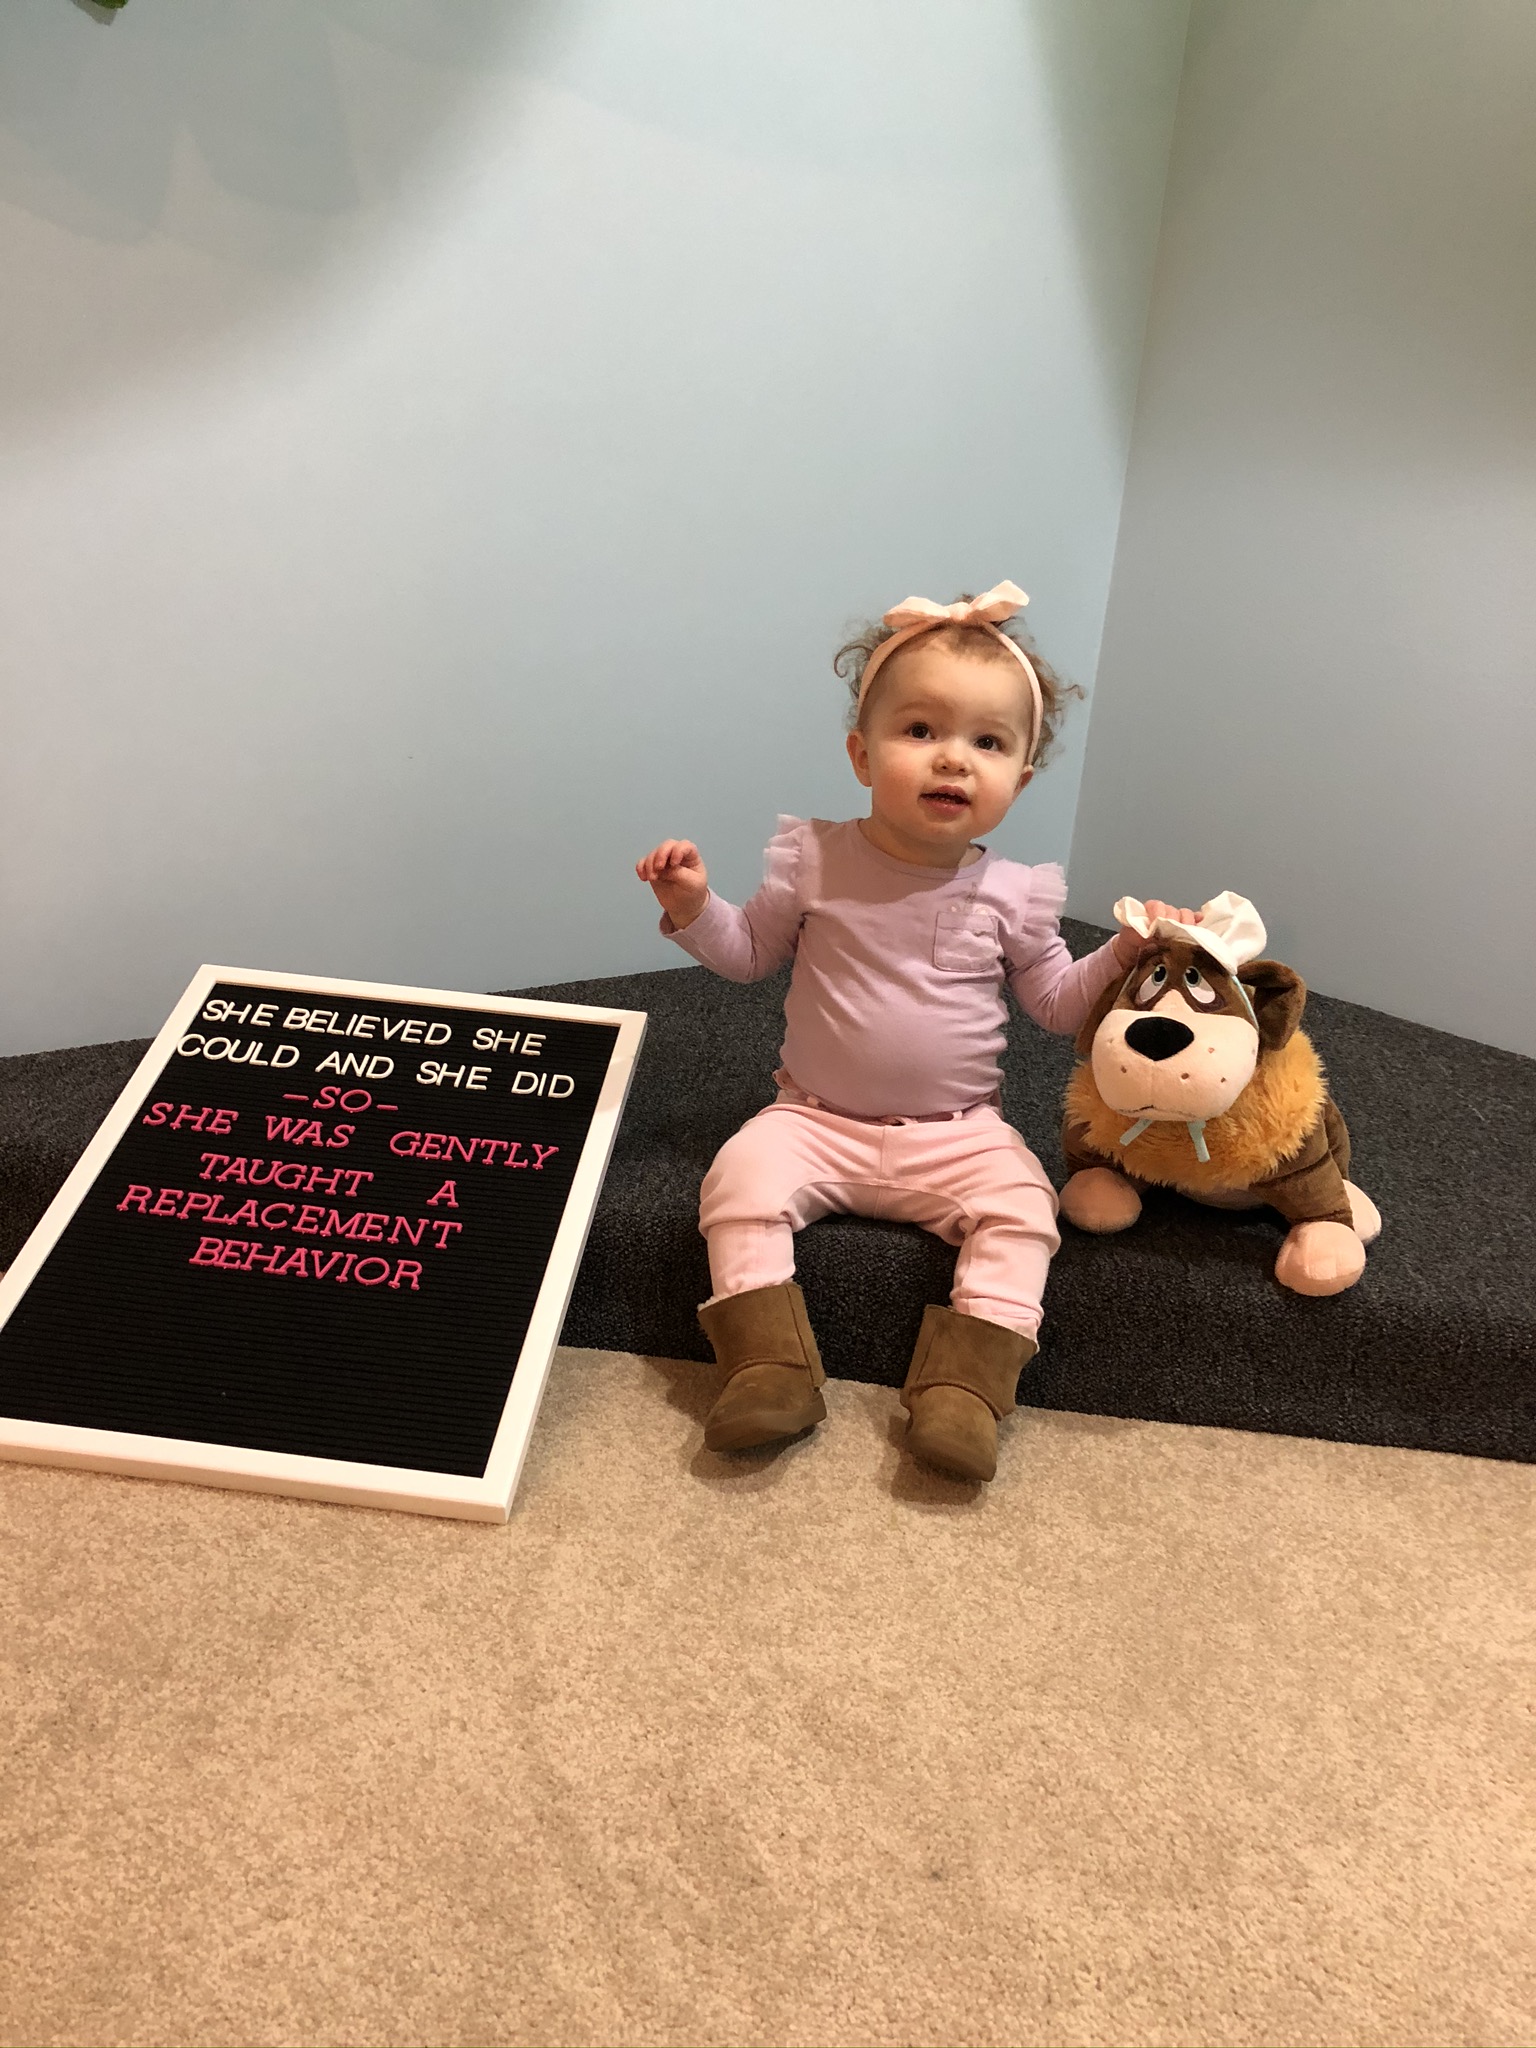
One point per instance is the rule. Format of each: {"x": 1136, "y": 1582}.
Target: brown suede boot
{"x": 962, "y": 1380}
{"x": 765, "y": 1343}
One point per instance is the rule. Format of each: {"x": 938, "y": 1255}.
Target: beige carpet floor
{"x": 1172, "y": 1735}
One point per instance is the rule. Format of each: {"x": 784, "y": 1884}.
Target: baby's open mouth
{"x": 950, "y": 801}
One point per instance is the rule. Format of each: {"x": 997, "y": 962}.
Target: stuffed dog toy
{"x": 1194, "y": 1075}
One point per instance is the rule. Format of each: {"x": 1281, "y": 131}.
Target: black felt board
{"x": 320, "y": 1340}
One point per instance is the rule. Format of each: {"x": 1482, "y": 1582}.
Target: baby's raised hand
{"x": 677, "y": 875}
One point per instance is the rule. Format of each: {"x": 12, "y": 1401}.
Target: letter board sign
{"x": 323, "y": 1244}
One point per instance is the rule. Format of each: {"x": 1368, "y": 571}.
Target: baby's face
{"x": 942, "y": 750}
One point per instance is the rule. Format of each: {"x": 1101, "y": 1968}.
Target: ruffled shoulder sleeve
{"x": 1052, "y": 987}
{"x": 1030, "y": 901}
{"x": 784, "y": 858}
{"x": 746, "y": 944}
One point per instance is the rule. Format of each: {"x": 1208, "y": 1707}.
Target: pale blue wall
{"x": 1318, "y": 683}
{"x": 444, "y": 441}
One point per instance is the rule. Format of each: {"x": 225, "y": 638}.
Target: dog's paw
{"x": 1320, "y": 1258}
{"x": 1099, "y": 1199}
{"x": 1367, "y": 1217}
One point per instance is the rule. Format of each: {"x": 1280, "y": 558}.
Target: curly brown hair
{"x": 852, "y": 658}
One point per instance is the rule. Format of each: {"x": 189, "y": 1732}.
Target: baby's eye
{"x": 989, "y": 743}
{"x": 918, "y": 731}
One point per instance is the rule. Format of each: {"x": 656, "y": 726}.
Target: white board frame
{"x": 486, "y": 1499}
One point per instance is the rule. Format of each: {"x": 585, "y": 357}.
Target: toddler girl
{"x": 903, "y": 930}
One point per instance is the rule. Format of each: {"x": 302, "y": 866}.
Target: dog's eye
{"x": 1154, "y": 984}
{"x": 1198, "y": 986}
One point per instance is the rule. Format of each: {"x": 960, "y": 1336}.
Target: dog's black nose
{"x": 1157, "y": 1038}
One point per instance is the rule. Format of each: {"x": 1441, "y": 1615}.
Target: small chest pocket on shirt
{"x": 965, "y": 940}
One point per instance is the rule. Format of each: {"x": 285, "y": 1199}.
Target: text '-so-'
{"x": 329, "y": 1120}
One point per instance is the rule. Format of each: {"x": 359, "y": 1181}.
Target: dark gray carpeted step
{"x": 1178, "y": 1320}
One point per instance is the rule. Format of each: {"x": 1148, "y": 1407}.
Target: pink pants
{"x": 971, "y": 1180}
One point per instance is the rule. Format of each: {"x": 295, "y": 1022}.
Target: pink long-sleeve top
{"x": 895, "y": 1005}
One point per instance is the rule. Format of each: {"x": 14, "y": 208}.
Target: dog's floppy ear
{"x": 1279, "y": 996}
{"x": 1099, "y": 1012}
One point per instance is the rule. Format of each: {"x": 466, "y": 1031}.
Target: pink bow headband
{"x": 917, "y": 615}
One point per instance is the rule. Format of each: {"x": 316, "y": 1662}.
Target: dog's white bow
{"x": 1230, "y": 929}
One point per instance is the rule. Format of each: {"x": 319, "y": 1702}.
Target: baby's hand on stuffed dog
{"x": 1128, "y": 947}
